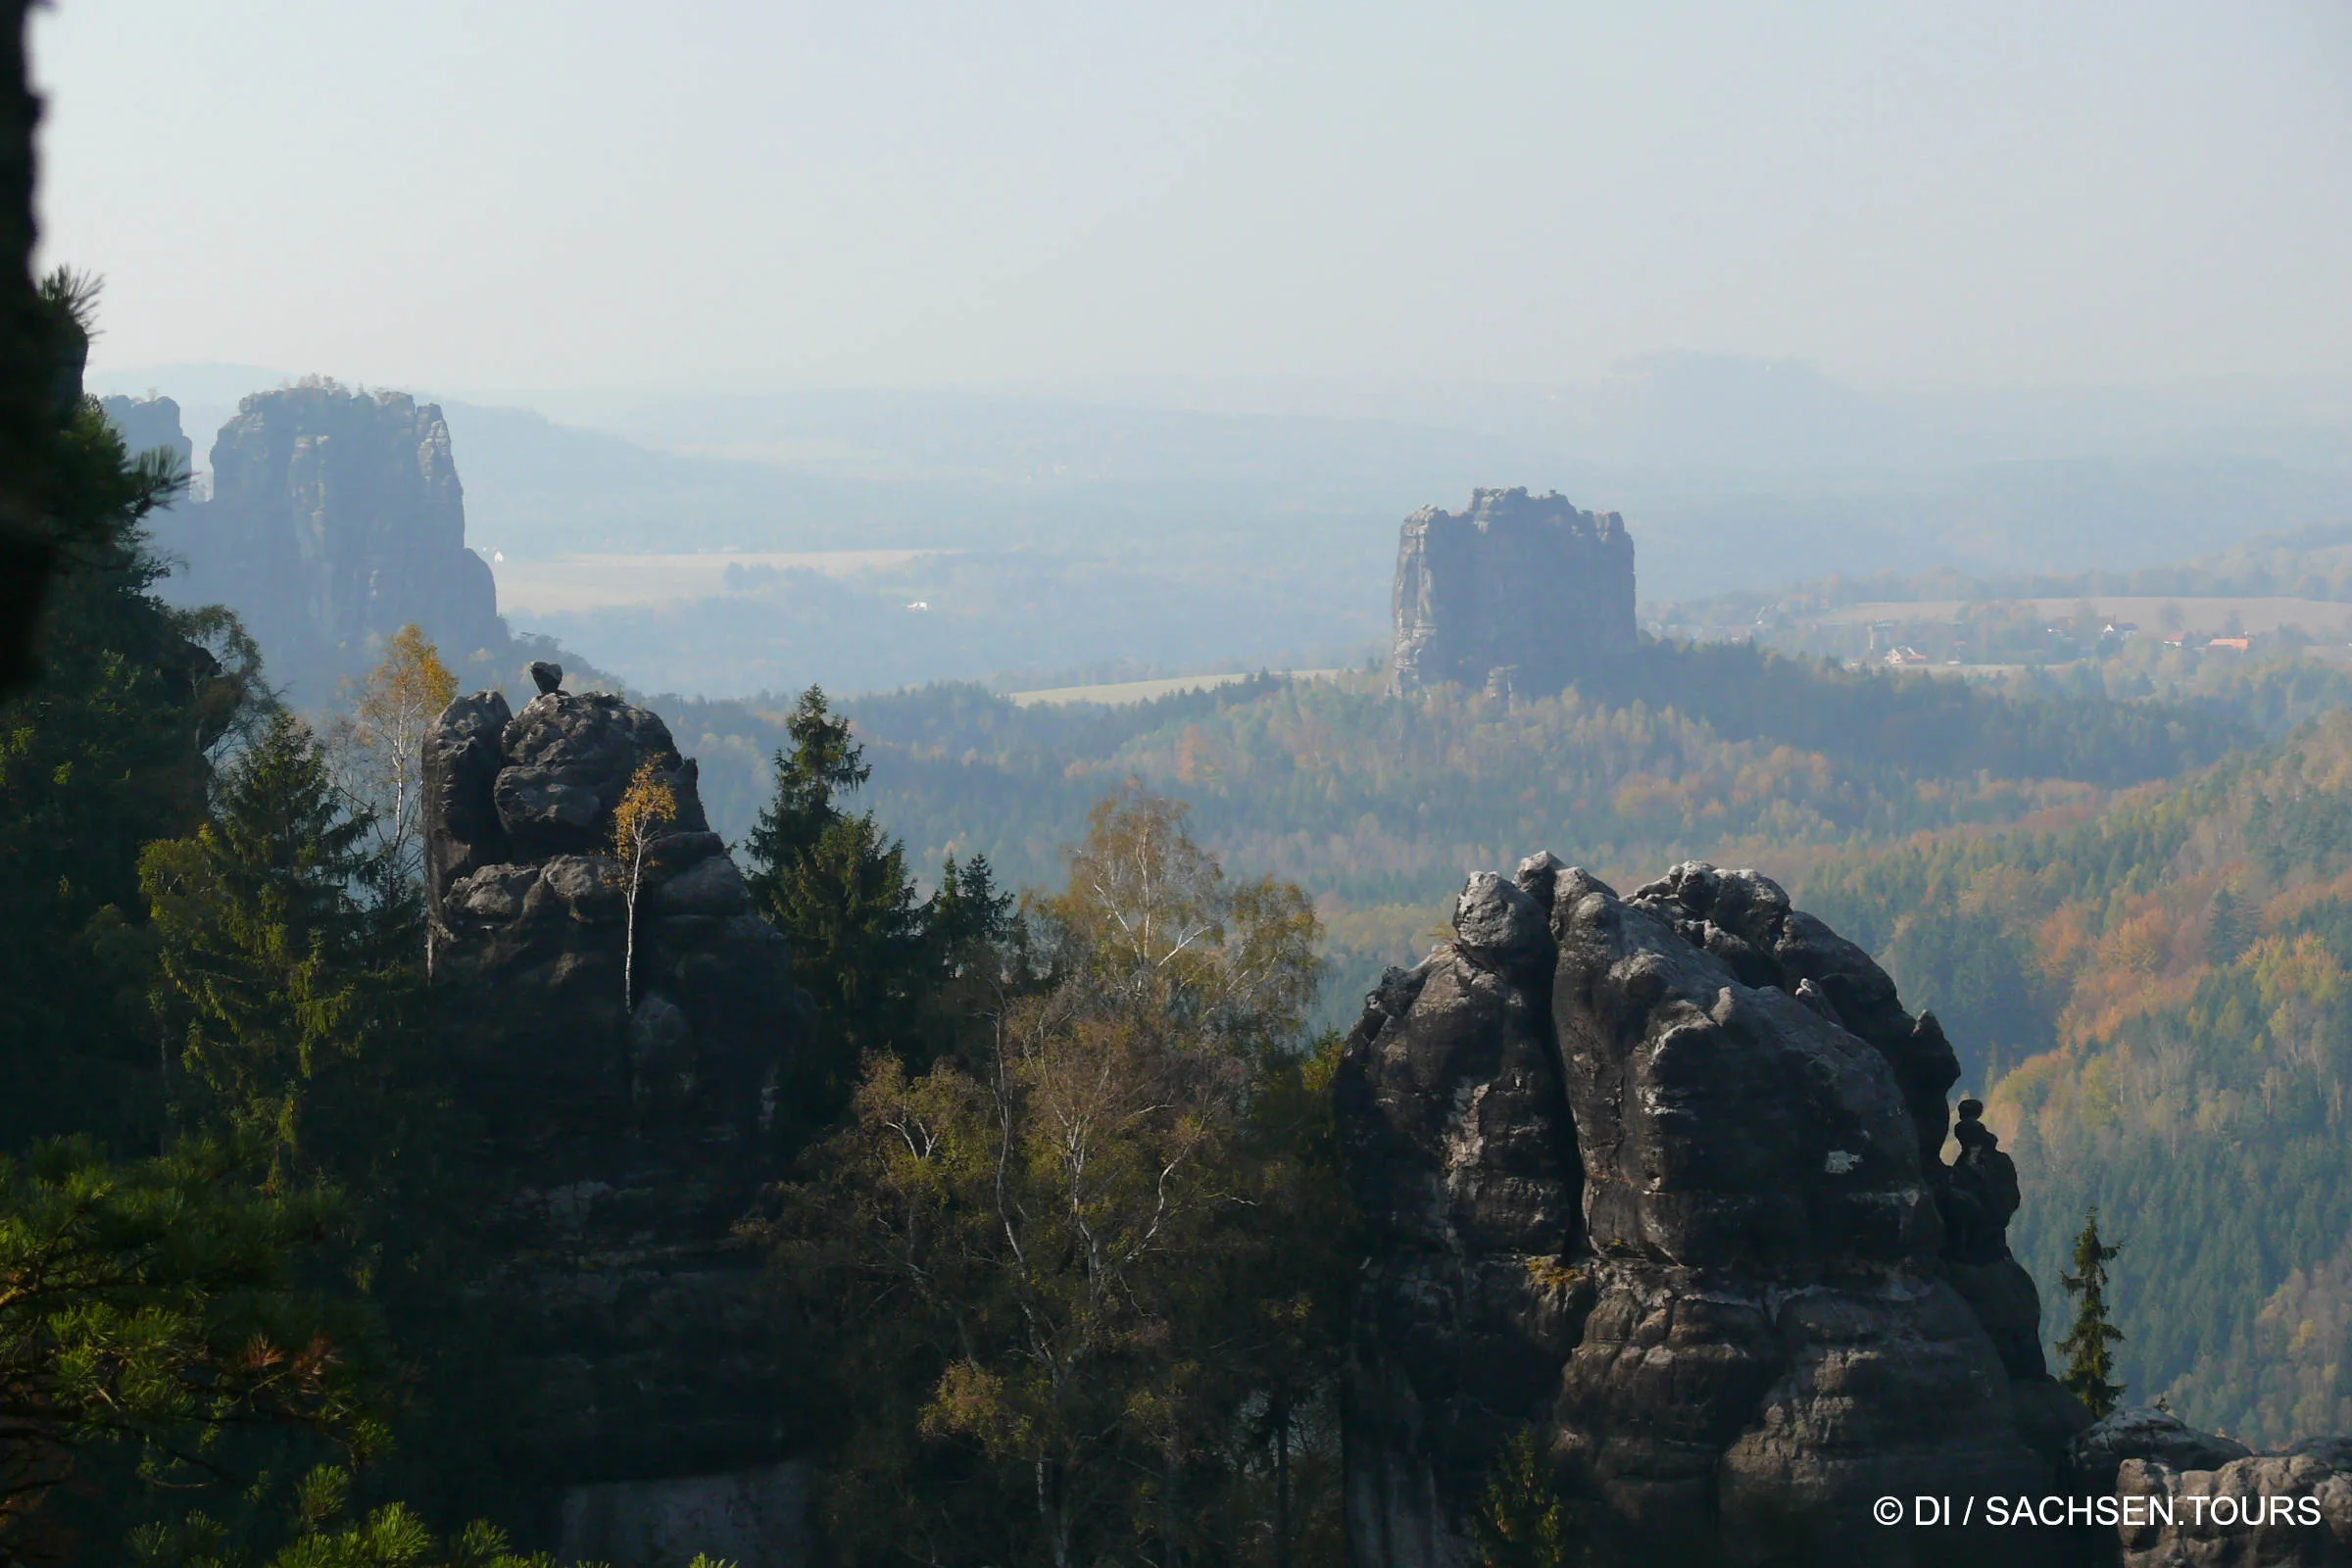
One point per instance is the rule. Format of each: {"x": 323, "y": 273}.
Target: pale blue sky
{"x": 708, "y": 193}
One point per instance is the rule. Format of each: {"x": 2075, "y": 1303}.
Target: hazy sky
{"x": 493, "y": 193}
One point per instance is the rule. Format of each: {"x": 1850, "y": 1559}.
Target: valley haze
{"x": 1256, "y": 785}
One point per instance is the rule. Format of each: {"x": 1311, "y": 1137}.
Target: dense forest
{"x": 1380, "y": 806}
{"x": 2155, "y": 995}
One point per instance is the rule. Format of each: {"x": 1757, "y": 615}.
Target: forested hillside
{"x": 2157, "y": 995}
{"x": 1380, "y": 806}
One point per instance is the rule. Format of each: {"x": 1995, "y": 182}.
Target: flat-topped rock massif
{"x": 639, "y": 1406}
{"x": 1519, "y": 594}
{"x": 336, "y": 518}
{"x": 1659, "y": 1177}
{"x": 150, "y": 425}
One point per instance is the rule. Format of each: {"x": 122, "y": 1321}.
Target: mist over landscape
{"x": 1255, "y": 786}
{"x": 1067, "y": 533}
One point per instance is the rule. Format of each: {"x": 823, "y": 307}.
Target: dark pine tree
{"x": 821, "y": 763}
{"x": 2089, "y": 1345}
{"x": 106, "y": 750}
{"x": 871, "y": 953}
{"x": 273, "y": 967}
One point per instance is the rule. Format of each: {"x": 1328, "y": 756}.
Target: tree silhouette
{"x": 2090, "y": 1344}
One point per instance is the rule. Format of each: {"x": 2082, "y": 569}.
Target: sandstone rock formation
{"x": 1519, "y": 595}
{"x": 149, "y": 424}
{"x": 638, "y": 1382}
{"x": 1659, "y": 1177}
{"x": 336, "y": 518}
{"x": 2190, "y": 1499}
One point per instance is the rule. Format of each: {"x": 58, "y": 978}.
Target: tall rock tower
{"x": 336, "y": 519}
{"x": 629, "y": 1401}
{"x": 150, "y": 424}
{"x": 1518, "y": 594}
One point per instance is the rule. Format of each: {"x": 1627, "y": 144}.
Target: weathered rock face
{"x": 2273, "y": 1511}
{"x": 624, "y": 1136}
{"x": 336, "y": 519}
{"x": 148, "y": 424}
{"x": 1518, "y": 596}
{"x": 1659, "y": 1177}
{"x": 2186, "y": 1499}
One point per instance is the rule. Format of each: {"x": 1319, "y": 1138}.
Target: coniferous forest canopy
{"x": 1573, "y": 1078}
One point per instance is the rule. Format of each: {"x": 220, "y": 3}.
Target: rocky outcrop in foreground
{"x": 1658, "y": 1178}
{"x": 637, "y": 1403}
{"x": 1519, "y": 595}
{"x": 2190, "y": 1499}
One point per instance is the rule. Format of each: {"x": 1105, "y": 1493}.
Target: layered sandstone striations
{"x": 638, "y": 1396}
{"x": 336, "y": 518}
{"x": 1518, "y": 595}
{"x": 1659, "y": 1177}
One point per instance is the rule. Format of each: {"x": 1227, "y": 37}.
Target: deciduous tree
{"x": 377, "y": 748}
{"x": 1048, "y": 1260}
{"x": 647, "y": 810}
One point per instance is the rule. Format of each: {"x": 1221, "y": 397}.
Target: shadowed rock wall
{"x": 1517, "y": 595}
{"x": 638, "y": 1395}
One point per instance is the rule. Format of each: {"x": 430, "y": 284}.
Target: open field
{"x": 2318, "y": 618}
{"x": 556, "y": 584}
{"x": 1115, "y": 692}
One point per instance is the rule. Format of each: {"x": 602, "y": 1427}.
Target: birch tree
{"x": 379, "y": 747}
{"x": 645, "y": 814}
{"x": 1050, "y": 1248}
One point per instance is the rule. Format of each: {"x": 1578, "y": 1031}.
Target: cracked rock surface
{"x": 1659, "y": 1177}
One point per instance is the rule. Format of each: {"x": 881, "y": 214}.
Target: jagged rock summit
{"x": 150, "y": 425}
{"x": 1518, "y": 595}
{"x": 638, "y": 1408}
{"x": 1659, "y": 1177}
{"x": 336, "y": 518}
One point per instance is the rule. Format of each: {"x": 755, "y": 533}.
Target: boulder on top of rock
{"x": 569, "y": 758}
